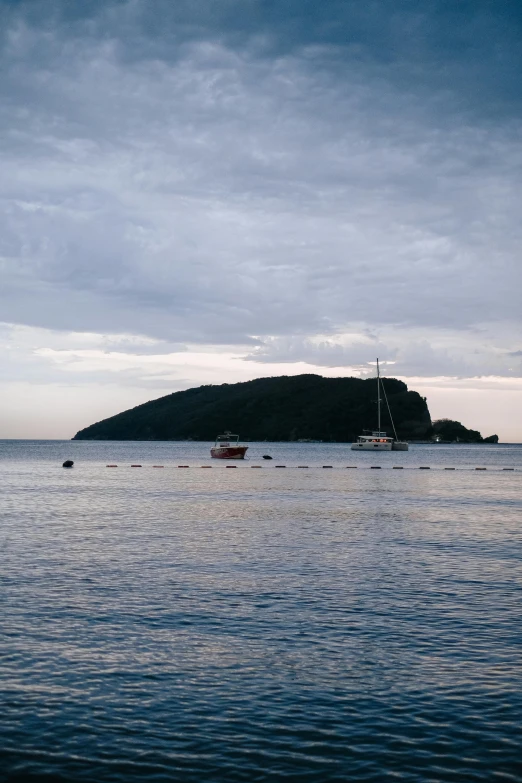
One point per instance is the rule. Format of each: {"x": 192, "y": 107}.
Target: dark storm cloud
{"x": 221, "y": 171}
{"x": 470, "y": 46}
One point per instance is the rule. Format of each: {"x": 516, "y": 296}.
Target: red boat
{"x": 227, "y": 447}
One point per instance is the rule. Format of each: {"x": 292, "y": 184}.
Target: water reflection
{"x": 239, "y": 625}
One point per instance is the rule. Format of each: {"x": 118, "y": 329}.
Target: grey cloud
{"x": 325, "y": 353}
{"x": 401, "y": 355}
{"x": 220, "y": 194}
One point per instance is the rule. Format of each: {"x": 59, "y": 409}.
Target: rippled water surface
{"x": 249, "y": 625}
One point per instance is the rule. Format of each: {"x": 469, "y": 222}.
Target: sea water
{"x": 297, "y": 624}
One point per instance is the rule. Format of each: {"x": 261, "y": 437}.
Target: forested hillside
{"x": 283, "y": 408}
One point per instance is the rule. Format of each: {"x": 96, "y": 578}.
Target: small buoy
{"x": 68, "y": 463}
{"x": 267, "y": 456}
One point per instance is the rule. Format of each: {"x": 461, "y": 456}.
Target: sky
{"x": 210, "y": 191}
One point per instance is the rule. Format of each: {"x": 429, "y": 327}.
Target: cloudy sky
{"x": 202, "y": 191}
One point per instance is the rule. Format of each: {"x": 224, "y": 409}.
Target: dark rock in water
{"x": 267, "y": 456}
{"x": 68, "y": 463}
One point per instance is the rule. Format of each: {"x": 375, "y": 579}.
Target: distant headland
{"x": 285, "y": 408}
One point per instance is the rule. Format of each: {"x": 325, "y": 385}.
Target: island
{"x": 285, "y": 408}
{"x": 449, "y": 431}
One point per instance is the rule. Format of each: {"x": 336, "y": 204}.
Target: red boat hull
{"x": 228, "y": 452}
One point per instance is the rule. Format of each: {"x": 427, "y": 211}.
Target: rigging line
{"x": 388, "y": 406}
{"x": 378, "y": 400}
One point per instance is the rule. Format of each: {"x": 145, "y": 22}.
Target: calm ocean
{"x": 260, "y": 625}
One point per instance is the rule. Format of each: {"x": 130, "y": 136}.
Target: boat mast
{"x": 386, "y": 401}
{"x": 378, "y": 399}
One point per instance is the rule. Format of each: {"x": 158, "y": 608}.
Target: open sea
{"x": 277, "y": 624}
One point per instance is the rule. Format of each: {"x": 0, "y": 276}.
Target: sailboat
{"x": 378, "y": 440}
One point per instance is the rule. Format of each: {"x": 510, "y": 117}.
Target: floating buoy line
{"x": 325, "y": 467}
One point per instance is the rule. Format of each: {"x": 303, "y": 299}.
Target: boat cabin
{"x": 227, "y": 439}
{"x": 375, "y": 437}
{"x": 374, "y": 440}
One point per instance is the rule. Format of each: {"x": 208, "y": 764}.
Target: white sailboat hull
{"x": 371, "y": 446}
{"x": 400, "y": 445}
